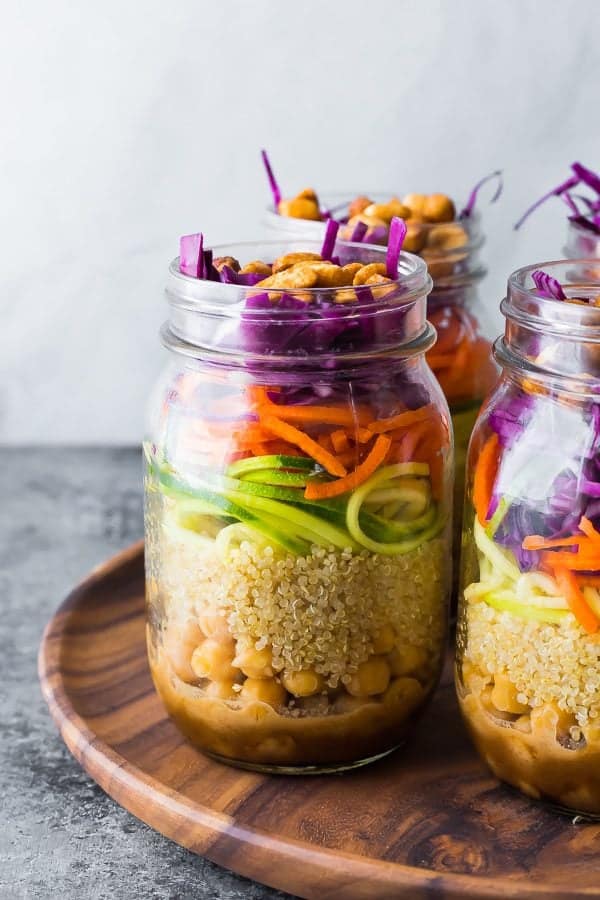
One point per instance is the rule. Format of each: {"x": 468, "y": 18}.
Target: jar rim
{"x": 216, "y": 317}
{"x": 524, "y": 303}
{"x": 412, "y": 270}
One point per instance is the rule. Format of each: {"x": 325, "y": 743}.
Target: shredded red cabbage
{"x": 358, "y": 232}
{"x": 548, "y": 286}
{"x": 396, "y": 237}
{"x": 587, "y": 176}
{"x": 191, "y": 257}
{"x": 275, "y": 190}
{"x": 329, "y": 239}
{"x": 581, "y": 175}
{"x": 470, "y": 204}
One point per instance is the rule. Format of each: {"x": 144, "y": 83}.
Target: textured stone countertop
{"x": 63, "y": 511}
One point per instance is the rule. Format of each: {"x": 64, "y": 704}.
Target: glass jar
{"x": 528, "y": 648}
{"x": 295, "y": 625}
{"x": 462, "y": 358}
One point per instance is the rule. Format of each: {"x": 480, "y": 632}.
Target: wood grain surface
{"x": 427, "y": 822}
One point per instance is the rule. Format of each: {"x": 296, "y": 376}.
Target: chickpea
{"x": 358, "y": 205}
{"x": 347, "y": 295}
{"x": 308, "y": 194}
{"x": 300, "y": 208}
{"x": 256, "y": 266}
{"x": 180, "y": 643}
{"x": 446, "y": 237}
{"x": 265, "y": 689}
{"x": 350, "y": 270}
{"x": 255, "y": 663}
{"x": 304, "y": 683}
{"x": 406, "y": 693}
{"x": 504, "y": 696}
{"x": 291, "y": 259}
{"x": 416, "y": 204}
{"x": 222, "y": 690}
{"x": 231, "y": 261}
{"x": 215, "y": 626}
{"x": 439, "y": 208}
{"x": 405, "y": 659}
{"x": 386, "y": 211}
{"x": 384, "y": 639}
{"x": 214, "y": 659}
{"x": 369, "y": 221}
{"x": 365, "y": 272}
{"x": 416, "y": 236}
{"x": 372, "y": 677}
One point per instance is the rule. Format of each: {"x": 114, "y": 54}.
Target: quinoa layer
{"x": 547, "y": 663}
{"x": 319, "y": 611}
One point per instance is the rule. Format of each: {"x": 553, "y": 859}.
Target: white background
{"x": 125, "y": 124}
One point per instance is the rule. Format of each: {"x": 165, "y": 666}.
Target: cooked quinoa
{"x": 547, "y": 663}
{"x": 318, "y": 611}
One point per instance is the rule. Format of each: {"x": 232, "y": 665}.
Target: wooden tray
{"x": 427, "y": 822}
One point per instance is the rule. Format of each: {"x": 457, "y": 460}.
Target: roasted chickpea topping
{"x": 358, "y": 205}
{"x": 367, "y": 271}
{"x": 291, "y": 259}
{"x": 439, "y": 208}
{"x": 230, "y": 261}
{"x": 256, "y": 267}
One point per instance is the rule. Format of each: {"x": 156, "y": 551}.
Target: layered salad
{"x": 529, "y": 635}
{"x": 297, "y": 520}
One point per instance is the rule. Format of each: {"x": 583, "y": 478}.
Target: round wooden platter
{"x": 427, "y": 822}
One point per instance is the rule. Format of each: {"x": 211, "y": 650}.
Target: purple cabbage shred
{"x": 470, "y": 204}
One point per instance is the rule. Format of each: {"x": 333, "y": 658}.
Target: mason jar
{"x": 462, "y": 358}
{"x": 298, "y": 500}
{"x": 528, "y": 642}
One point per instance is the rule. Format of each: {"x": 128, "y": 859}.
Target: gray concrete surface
{"x": 61, "y": 512}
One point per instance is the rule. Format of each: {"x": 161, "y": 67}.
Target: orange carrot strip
{"x": 377, "y": 455}
{"x": 402, "y": 420}
{"x": 411, "y": 441}
{"x": 485, "y": 476}
{"x": 322, "y": 415}
{"x": 350, "y": 459}
{"x": 588, "y": 580}
{"x": 310, "y": 447}
{"x": 588, "y": 529}
{"x": 340, "y": 442}
{"x": 575, "y": 562}
{"x": 537, "y": 542}
{"x": 362, "y": 435}
{"x": 576, "y": 601}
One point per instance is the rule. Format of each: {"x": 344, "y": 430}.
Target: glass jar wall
{"x": 297, "y": 507}
{"x": 528, "y": 655}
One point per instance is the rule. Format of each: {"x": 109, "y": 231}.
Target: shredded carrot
{"x": 402, "y": 420}
{"x": 350, "y": 459}
{"x": 362, "y": 435}
{"x": 310, "y": 447}
{"x": 323, "y": 441}
{"x": 575, "y": 599}
{"x": 323, "y": 415}
{"x": 588, "y": 580}
{"x": 537, "y": 542}
{"x": 340, "y": 442}
{"x": 485, "y": 476}
{"x": 575, "y": 562}
{"x": 588, "y": 529}
{"x": 377, "y": 455}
